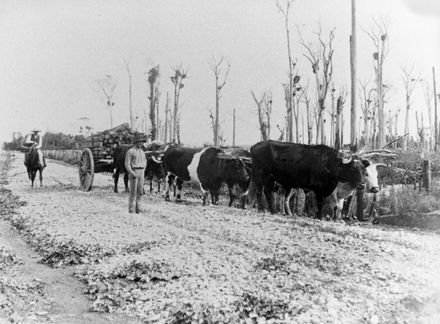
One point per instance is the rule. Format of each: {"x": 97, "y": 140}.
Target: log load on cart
{"x": 97, "y": 153}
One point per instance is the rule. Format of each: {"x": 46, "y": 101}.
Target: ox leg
{"x": 259, "y": 194}
{"x": 231, "y": 196}
{"x": 290, "y": 192}
{"x": 41, "y": 176}
{"x": 116, "y": 178}
{"x": 33, "y": 174}
{"x": 151, "y": 185}
{"x": 214, "y": 197}
{"x": 243, "y": 202}
{"x": 126, "y": 182}
{"x": 168, "y": 183}
{"x": 179, "y": 183}
{"x": 268, "y": 188}
{"x": 336, "y": 205}
{"x": 320, "y": 202}
{"x": 205, "y": 195}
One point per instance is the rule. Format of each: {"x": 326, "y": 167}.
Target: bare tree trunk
{"x": 216, "y": 65}
{"x": 435, "y": 112}
{"x": 405, "y": 142}
{"x": 177, "y": 80}
{"x": 130, "y": 93}
{"x": 309, "y": 123}
{"x": 233, "y": 128}
{"x": 165, "y": 137}
{"x": 353, "y": 134}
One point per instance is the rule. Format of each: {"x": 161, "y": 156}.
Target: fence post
{"x": 427, "y": 175}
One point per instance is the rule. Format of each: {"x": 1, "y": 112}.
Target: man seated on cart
{"x": 35, "y": 140}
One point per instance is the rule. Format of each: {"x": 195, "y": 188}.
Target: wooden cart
{"x": 94, "y": 159}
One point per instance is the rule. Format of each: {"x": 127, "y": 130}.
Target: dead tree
{"x": 216, "y": 66}
{"x": 379, "y": 36}
{"x": 353, "y": 41}
{"x": 298, "y": 97}
{"x": 322, "y": 67}
{"x": 427, "y": 93}
{"x": 339, "y": 119}
{"x": 107, "y": 87}
{"x": 307, "y": 99}
{"x": 421, "y": 131}
{"x": 153, "y": 81}
{"x": 409, "y": 82}
{"x": 177, "y": 79}
{"x": 167, "y": 123}
{"x": 130, "y": 105}
{"x": 293, "y": 78}
{"x": 366, "y": 99}
{"x": 264, "y": 110}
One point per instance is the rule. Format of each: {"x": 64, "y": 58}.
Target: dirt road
{"x": 189, "y": 263}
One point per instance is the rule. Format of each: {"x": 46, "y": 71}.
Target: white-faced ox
{"x": 210, "y": 167}
{"x": 317, "y": 168}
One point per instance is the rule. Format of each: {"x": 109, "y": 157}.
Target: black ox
{"x": 317, "y": 168}
{"x": 32, "y": 163}
{"x": 154, "y": 167}
{"x": 210, "y": 167}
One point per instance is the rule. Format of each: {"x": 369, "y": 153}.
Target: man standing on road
{"x": 135, "y": 164}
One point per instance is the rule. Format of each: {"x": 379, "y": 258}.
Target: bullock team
{"x": 318, "y": 168}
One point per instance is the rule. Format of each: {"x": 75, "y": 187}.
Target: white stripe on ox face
{"x": 371, "y": 177}
{"x": 192, "y": 167}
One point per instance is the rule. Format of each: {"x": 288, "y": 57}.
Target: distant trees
{"x": 107, "y": 88}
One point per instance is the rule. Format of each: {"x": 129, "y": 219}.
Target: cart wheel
{"x": 86, "y": 170}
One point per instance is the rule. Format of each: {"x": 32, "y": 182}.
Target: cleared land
{"x": 188, "y": 263}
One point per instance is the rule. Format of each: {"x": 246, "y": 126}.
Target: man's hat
{"x": 139, "y": 138}
{"x": 35, "y": 130}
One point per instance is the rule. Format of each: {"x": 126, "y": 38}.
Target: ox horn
{"x": 226, "y": 156}
{"x": 245, "y": 159}
{"x": 346, "y": 157}
{"x": 156, "y": 159}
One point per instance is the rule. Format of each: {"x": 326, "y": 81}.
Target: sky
{"x": 53, "y": 52}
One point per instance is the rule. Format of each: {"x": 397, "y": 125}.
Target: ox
{"x": 240, "y": 190}
{"x": 32, "y": 163}
{"x": 154, "y": 167}
{"x": 210, "y": 167}
{"x": 317, "y": 168}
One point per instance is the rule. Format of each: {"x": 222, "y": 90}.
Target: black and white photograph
{"x": 219, "y": 161}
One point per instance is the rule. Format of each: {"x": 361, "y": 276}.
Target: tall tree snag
{"x": 177, "y": 80}
{"x": 322, "y": 67}
{"x": 379, "y": 36}
{"x": 107, "y": 87}
{"x": 264, "y": 110}
{"x": 293, "y": 78}
{"x": 153, "y": 81}
{"x": 216, "y": 66}
{"x": 409, "y": 82}
{"x": 130, "y": 106}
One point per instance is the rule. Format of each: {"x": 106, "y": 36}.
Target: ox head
{"x": 370, "y": 176}
{"x": 358, "y": 172}
{"x": 234, "y": 170}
